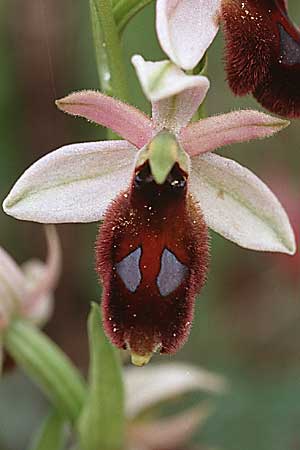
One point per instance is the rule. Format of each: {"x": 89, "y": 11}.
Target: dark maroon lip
{"x": 152, "y": 257}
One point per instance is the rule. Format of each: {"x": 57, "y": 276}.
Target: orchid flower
{"x": 157, "y": 191}
{"x": 27, "y": 291}
{"x": 262, "y": 45}
{"x": 158, "y": 385}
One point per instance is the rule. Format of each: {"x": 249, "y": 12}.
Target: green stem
{"x": 102, "y": 423}
{"x": 110, "y": 64}
{"x": 48, "y": 366}
{"x": 125, "y": 10}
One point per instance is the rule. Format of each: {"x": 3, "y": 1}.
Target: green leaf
{"x": 51, "y": 435}
{"x": 102, "y": 423}
{"x": 48, "y": 366}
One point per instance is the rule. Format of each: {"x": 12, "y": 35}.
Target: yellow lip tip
{"x": 140, "y": 360}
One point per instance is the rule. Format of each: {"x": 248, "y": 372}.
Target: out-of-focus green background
{"x": 247, "y": 319}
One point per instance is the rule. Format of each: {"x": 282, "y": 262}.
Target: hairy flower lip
{"x": 144, "y": 238}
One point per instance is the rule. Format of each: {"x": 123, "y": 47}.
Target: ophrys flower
{"x": 152, "y": 251}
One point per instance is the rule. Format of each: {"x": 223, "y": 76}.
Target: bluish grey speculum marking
{"x": 172, "y": 273}
{"x": 289, "y": 48}
{"x": 129, "y": 270}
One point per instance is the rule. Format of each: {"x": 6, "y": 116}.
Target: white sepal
{"x": 239, "y": 206}
{"x": 72, "y": 184}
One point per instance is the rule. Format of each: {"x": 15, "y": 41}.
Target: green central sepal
{"x": 162, "y": 153}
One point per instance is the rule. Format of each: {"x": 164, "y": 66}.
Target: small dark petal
{"x": 154, "y": 231}
{"x": 263, "y": 53}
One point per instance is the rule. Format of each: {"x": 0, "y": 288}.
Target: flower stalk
{"x": 109, "y": 57}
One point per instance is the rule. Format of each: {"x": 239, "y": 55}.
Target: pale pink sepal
{"x": 41, "y": 280}
{"x": 239, "y": 206}
{"x": 125, "y": 120}
{"x": 162, "y": 382}
{"x": 237, "y": 126}
{"x": 73, "y": 184}
{"x": 186, "y": 28}
{"x": 175, "y": 96}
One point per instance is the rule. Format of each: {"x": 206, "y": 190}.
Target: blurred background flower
{"x": 248, "y": 318}
{"x": 150, "y": 390}
{"x": 26, "y": 291}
